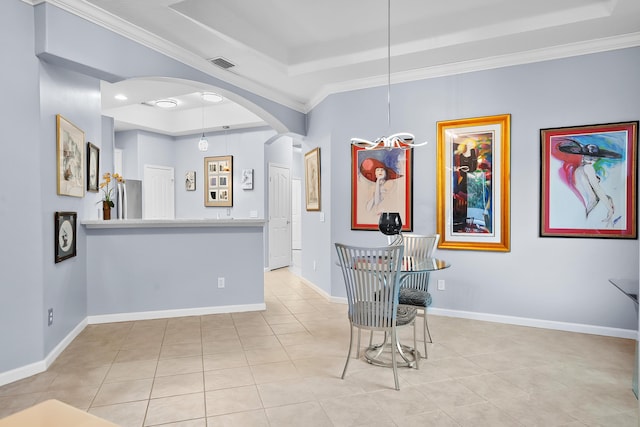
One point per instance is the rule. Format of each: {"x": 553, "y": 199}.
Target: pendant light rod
{"x": 402, "y": 140}
{"x": 388, "y": 65}
{"x": 203, "y": 144}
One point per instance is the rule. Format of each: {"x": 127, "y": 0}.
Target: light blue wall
{"x": 113, "y": 57}
{"x": 127, "y": 141}
{"x": 22, "y": 319}
{"x": 247, "y": 148}
{"x": 556, "y": 279}
{"x": 140, "y": 148}
{"x": 148, "y": 270}
{"x": 321, "y": 126}
{"x": 544, "y": 278}
{"x": 77, "y": 98}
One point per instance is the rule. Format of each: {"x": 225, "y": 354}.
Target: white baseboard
{"x": 511, "y": 320}
{"x": 318, "y": 289}
{"x": 163, "y": 314}
{"x": 42, "y": 365}
{"x": 22, "y": 372}
{"x": 537, "y": 323}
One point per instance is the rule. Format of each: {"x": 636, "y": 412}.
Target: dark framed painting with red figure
{"x": 589, "y": 181}
{"x": 381, "y": 181}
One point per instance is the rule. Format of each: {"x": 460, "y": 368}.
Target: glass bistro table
{"x": 630, "y": 289}
{"x": 375, "y": 353}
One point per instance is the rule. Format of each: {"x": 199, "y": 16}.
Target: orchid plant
{"x": 107, "y": 188}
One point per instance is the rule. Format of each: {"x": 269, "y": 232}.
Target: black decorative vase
{"x": 390, "y": 223}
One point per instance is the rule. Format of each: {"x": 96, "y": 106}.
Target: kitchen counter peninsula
{"x": 145, "y": 269}
{"x": 170, "y": 223}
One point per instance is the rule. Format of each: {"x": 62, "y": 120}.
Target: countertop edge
{"x": 171, "y": 223}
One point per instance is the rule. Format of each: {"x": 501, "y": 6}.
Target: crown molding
{"x": 520, "y": 58}
{"x": 139, "y": 35}
{"x": 119, "y": 26}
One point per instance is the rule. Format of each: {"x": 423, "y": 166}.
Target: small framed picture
{"x": 65, "y": 235}
{"x": 93, "y": 167}
{"x": 218, "y": 181}
{"x": 70, "y": 158}
{"x": 312, "y": 179}
{"x": 190, "y": 181}
{"x": 247, "y": 179}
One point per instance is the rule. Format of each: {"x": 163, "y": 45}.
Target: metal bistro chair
{"x": 371, "y": 277}
{"x": 414, "y": 288}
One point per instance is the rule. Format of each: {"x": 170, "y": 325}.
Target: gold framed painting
{"x": 70, "y": 158}
{"x": 312, "y": 179}
{"x": 218, "y": 181}
{"x": 473, "y": 183}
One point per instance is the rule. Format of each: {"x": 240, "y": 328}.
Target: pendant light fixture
{"x": 403, "y": 140}
{"x": 203, "y": 144}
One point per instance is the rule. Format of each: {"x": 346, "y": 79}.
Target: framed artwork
{"x": 65, "y": 235}
{"x": 190, "y": 181}
{"x": 93, "y": 167}
{"x": 473, "y": 183}
{"x": 247, "y": 179}
{"x": 381, "y": 181}
{"x": 589, "y": 181}
{"x": 71, "y": 161}
{"x": 218, "y": 181}
{"x": 312, "y": 179}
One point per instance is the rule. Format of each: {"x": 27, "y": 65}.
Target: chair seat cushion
{"x": 370, "y": 310}
{"x": 415, "y": 297}
{"x": 405, "y": 315}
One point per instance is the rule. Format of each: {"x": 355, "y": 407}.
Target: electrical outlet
{"x": 441, "y": 285}
{"x": 220, "y": 282}
{"x": 50, "y": 321}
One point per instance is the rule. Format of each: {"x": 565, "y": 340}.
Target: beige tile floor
{"x": 281, "y": 367}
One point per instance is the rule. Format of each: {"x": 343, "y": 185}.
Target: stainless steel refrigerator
{"x": 130, "y": 199}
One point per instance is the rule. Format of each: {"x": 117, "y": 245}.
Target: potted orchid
{"x": 107, "y": 189}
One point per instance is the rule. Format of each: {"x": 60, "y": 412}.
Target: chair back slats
{"x": 371, "y": 279}
{"x": 418, "y": 247}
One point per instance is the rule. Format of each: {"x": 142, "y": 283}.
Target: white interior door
{"x": 279, "y": 217}
{"x": 296, "y": 214}
{"x": 158, "y": 200}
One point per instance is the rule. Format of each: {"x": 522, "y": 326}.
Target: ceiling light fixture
{"x": 203, "y": 144}
{"x": 121, "y": 97}
{"x": 403, "y": 140}
{"x": 212, "y": 97}
{"x": 166, "y": 103}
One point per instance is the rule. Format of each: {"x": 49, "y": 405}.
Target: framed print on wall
{"x": 381, "y": 181}
{"x": 589, "y": 181}
{"x": 70, "y": 158}
{"x": 473, "y": 183}
{"x": 218, "y": 181}
{"x": 93, "y": 167}
{"x": 247, "y": 179}
{"x": 312, "y": 179}
{"x": 190, "y": 180}
{"x": 65, "y": 235}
